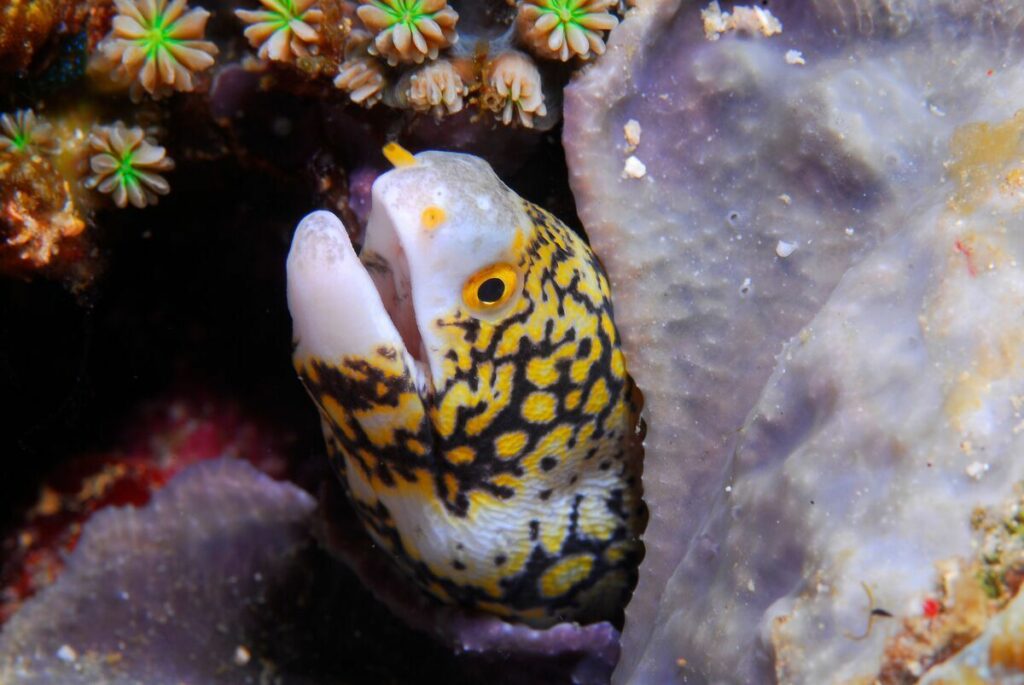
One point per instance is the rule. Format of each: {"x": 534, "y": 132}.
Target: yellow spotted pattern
{"x": 525, "y": 463}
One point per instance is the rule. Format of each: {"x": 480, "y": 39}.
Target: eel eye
{"x": 490, "y": 287}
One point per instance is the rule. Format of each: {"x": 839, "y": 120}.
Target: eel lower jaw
{"x": 337, "y": 310}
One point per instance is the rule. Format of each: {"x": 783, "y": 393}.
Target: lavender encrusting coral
{"x": 808, "y": 405}
{"x": 188, "y": 569}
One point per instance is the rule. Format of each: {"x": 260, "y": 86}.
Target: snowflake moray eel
{"x": 474, "y": 397}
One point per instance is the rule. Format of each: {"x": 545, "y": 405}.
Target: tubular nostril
{"x": 432, "y": 217}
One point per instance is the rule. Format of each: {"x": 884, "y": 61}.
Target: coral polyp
{"x": 25, "y": 132}
{"x": 360, "y": 75}
{"x": 124, "y": 165}
{"x": 512, "y": 89}
{"x": 157, "y": 46}
{"x": 562, "y": 29}
{"x": 409, "y": 31}
{"x": 437, "y": 87}
{"x": 284, "y": 30}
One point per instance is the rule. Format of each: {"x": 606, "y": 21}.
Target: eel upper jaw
{"x": 336, "y": 307}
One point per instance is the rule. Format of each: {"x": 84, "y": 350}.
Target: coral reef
{"x": 284, "y": 30}
{"x": 408, "y": 30}
{"x": 156, "y": 46}
{"x": 164, "y": 437}
{"x": 124, "y": 165}
{"x": 419, "y": 56}
{"x": 437, "y": 87}
{"x": 815, "y": 289}
{"x": 39, "y": 213}
{"x": 220, "y": 532}
{"x": 966, "y": 597}
{"x": 360, "y": 75}
{"x": 807, "y": 212}
{"x": 512, "y": 89}
{"x": 23, "y": 132}
{"x": 996, "y": 656}
{"x": 562, "y": 29}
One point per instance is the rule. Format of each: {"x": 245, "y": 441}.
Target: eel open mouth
{"x": 342, "y": 307}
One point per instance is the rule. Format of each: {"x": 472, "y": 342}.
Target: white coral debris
{"x": 795, "y": 57}
{"x": 632, "y": 131}
{"x": 755, "y": 20}
{"x": 784, "y": 249}
{"x": 634, "y": 168}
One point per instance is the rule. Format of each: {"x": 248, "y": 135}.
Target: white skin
{"x": 340, "y": 309}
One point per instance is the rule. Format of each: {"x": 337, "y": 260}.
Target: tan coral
{"x": 360, "y": 75}
{"x": 512, "y": 89}
{"x": 363, "y": 79}
{"x": 409, "y": 31}
{"x": 745, "y": 19}
{"x": 25, "y": 132}
{"x": 156, "y": 46}
{"x": 37, "y": 210}
{"x": 562, "y": 29}
{"x": 283, "y": 31}
{"x": 125, "y": 165}
{"x": 437, "y": 87}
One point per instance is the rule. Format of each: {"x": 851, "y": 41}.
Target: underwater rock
{"x": 832, "y": 140}
{"x": 169, "y": 592}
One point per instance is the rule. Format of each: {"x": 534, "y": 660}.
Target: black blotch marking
{"x": 534, "y": 529}
{"x": 545, "y": 494}
{"x": 584, "y": 348}
{"x": 458, "y": 565}
{"x": 500, "y": 560}
{"x": 548, "y": 463}
{"x": 605, "y": 465}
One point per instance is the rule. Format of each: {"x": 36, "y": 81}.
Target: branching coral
{"x": 283, "y": 31}
{"x": 437, "y": 87}
{"x": 409, "y": 30}
{"x": 360, "y": 75}
{"x": 156, "y": 45}
{"x": 124, "y": 165}
{"x": 37, "y": 208}
{"x": 24, "y": 132}
{"x": 512, "y": 88}
{"x": 561, "y": 29}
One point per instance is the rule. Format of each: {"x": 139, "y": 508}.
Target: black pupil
{"x": 491, "y": 290}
